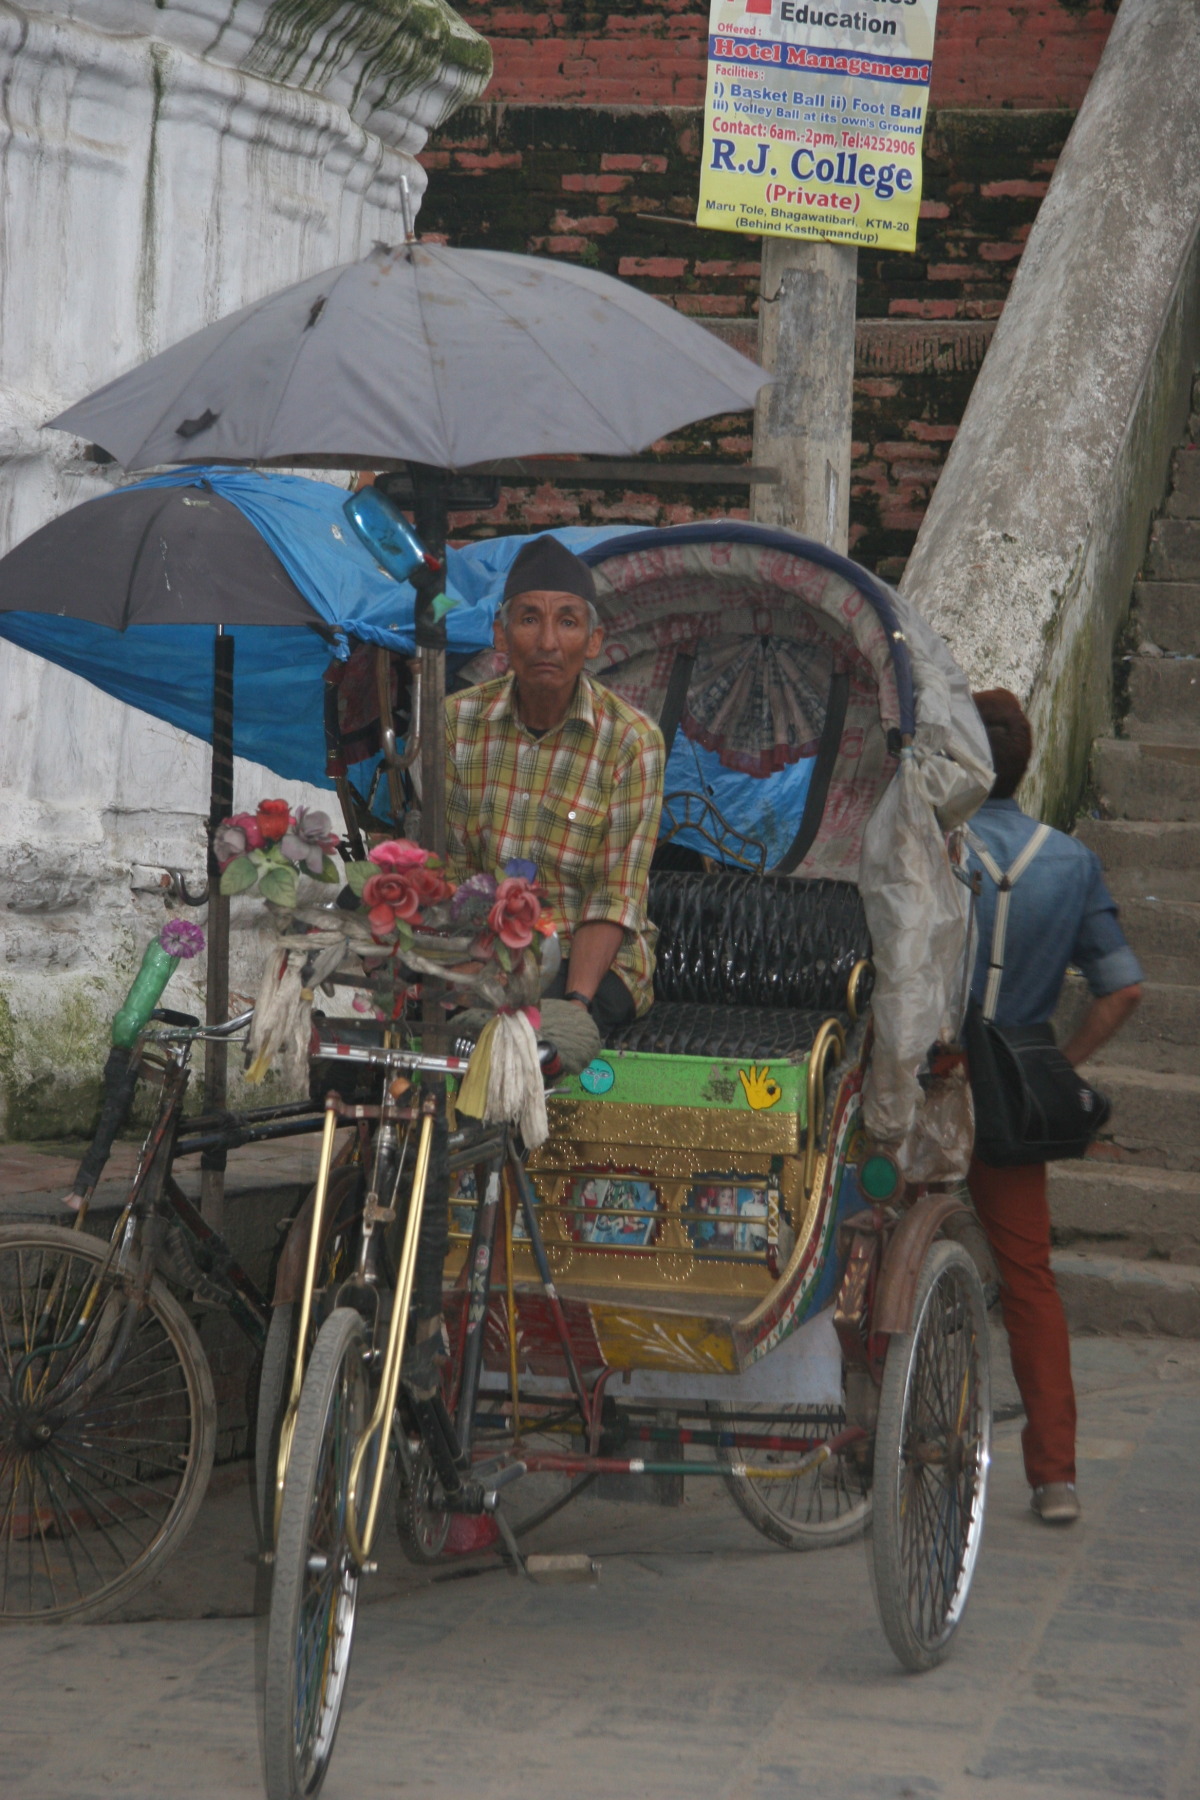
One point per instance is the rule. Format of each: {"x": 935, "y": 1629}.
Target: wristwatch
{"x": 583, "y": 999}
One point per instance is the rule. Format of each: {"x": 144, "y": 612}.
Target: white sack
{"x": 918, "y": 915}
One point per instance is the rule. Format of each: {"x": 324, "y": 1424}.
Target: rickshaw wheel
{"x": 932, "y": 1451}
{"x": 831, "y": 1505}
{"x": 314, "y": 1590}
{"x": 421, "y": 1524}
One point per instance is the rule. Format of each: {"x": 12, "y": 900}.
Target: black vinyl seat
{"x": 747, "y": 965}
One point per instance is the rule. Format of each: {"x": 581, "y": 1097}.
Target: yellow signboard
{"x": 814, "y": 117}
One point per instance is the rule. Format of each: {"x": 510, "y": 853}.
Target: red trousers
{"x": 1012, "y": 1207}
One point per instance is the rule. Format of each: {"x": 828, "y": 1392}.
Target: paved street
{"x": 703, "y": 1665}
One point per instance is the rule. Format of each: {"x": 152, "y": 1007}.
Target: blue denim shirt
{"x": 1060, "y": 913}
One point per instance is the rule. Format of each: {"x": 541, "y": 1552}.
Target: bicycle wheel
{"x": 314, "y": 1589}
{"x": 932, "y": 1450}
{"x": 830, "y": 1505}
{"x": 99, "y": 1480}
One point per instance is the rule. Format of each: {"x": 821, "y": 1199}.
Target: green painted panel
{"x": 737, "y": 1086}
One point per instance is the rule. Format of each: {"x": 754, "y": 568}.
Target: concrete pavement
{"x": 704, "y": 1665}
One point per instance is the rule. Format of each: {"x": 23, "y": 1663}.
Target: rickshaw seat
{"x": 672, "y": 1028}
{"x": 747, "y": 965}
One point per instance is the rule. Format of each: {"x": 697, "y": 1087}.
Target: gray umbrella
{"x": 426, "y": 354}
{"x": 153, "y": 556}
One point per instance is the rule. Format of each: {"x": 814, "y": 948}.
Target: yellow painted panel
{"x": 690, "y": 1343}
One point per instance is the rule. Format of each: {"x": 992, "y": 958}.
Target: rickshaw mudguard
{"x": 906, "y": 1251}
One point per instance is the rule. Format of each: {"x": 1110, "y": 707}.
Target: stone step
{"x": 1112, "y": 1295}
{"x": 1174, "y": 552}
{"x": 1146, "y": 781}
{"x": 1155, "y": 1116}
{"x": 1162, "y": 1035}
{"x": 1157, "y": 847}
{"x": 1165, "y": 934}
{"x": 1183, "y": 501}
{"x": 1164, "y": 700}
{"x": 1168, "y": 614}
{"x": 1140, "y": 1211}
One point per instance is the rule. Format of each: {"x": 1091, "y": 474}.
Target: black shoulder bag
{"x": 1031, "y": 1106}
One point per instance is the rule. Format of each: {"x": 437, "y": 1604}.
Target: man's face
{"x": 547, "y": 641}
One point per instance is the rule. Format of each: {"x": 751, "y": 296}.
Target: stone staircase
{"x": 1127, "y": 1218}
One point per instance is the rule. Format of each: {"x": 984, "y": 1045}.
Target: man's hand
{"x": 1103, "y": 1017}
{"x": 592, "y": 950}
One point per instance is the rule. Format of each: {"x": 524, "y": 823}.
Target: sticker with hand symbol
{"x": 760, "y": 1087}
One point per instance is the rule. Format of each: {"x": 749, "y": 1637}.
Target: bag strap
{"x": 1005, "y": 882}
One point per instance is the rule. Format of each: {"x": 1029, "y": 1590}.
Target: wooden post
{"x": 802, "y": 423}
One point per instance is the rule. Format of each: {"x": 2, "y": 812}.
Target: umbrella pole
{"x": 430, "y": 492}
{"x": 216, "y": 1055}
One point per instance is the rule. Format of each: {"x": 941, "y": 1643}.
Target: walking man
{"x": 1060, "y": 914}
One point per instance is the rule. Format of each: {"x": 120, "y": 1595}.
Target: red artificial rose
{"x": 273, "y": 819}
{"x": 516, "y": 912}
{"x": 397, "y": 854}
{"x": 394, "y": 894}
{"x": 431, "y": 886}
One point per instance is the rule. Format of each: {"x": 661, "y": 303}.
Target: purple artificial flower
{"x": 309, "y": 840}
{"x": 473, "y": 897}
{"x": 519, "y": 868}
{"x": 179, "y": 937}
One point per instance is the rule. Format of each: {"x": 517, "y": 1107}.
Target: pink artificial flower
{"x": 235, "y": 836}
{"x": 179, "y": 937}
{"x": 397, "y": 854}
{"x": 517, "y": 910}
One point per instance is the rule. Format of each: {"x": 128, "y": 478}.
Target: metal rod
{"x": 360, "y": 1540}
{"x": 288, "y": 1426}
{"x": 216, "y": 1055}
{"x": 529, "y": 1208}
{"x": 393, "y": 1059}
{"x": 475, "y": 1306}
{"x": 513, "y": 1378}
{"x": 255, "y": 1134}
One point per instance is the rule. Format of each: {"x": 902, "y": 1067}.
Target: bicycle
{"x": 107, "y": 1412}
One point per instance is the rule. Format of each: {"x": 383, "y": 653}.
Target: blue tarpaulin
{"x": 166, "y": 670}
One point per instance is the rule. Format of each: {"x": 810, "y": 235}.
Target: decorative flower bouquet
{"x": 269, "y": 849}
{"x": 490, "y": 939}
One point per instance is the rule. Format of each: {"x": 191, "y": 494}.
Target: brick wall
{"x": 990, "y": 53}
{"x": 587, "y": 147}
{"x": 616, "y": 191}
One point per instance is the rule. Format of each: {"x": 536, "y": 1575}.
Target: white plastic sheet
{"x": 919, "y": 916}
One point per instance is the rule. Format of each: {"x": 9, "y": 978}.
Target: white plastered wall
{"x": 158, "y": 168}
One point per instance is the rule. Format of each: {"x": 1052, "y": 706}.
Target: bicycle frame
{"x": 138, "y": 1236}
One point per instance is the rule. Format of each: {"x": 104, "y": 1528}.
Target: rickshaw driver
{"x": 547, "y": 765}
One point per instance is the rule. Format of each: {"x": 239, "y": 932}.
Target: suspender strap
{"x": 1005, "y": 882}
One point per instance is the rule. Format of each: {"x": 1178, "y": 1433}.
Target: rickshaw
{"x": 740, "y": 1246}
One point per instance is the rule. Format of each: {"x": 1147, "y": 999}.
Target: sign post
{"x": 814, "y": 117}
{"x": 813, "y": 124}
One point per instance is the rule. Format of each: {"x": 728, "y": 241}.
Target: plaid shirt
{"x": 582, "y": 803}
